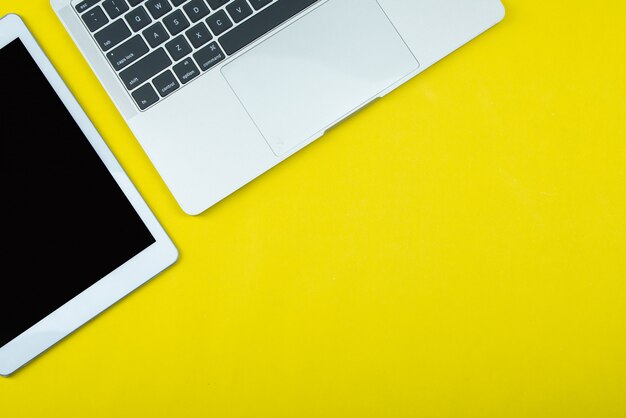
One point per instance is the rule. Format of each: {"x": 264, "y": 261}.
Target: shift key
{"x": 127, "y": 53}
{"x": 145, "y": 69}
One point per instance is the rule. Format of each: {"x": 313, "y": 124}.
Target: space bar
{"x": 261, "y": 23}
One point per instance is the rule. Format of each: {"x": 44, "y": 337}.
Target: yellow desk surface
{"x": 457, "y": 249}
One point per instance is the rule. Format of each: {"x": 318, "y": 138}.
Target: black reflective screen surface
{"x": 65, "y": 221}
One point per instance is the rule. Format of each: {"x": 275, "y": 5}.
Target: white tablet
{"x": 77, "y": 236}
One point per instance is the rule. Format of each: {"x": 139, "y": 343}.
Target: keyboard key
{"x": 239, "y": 10}
{"x": 261, "y": 23}
{"x": 178, "y": 47}
{"x": 196, "y": 10}
{"x": 146, "y": 68}
{"x": 95, "y": 19}
{"x": 199, "y": 35}
{"x": 186, "y": 70}
{"x": 156, "y": 34}
{"x": 158, "y": 8}
{"x": 145, "y": 96}
{"x": 165, "y": 83}
{"x": 115, "y": 8}
{"x": 176, "y": 22}
{"x": 127, "y": 53}
{"x": 112, "y": 35}
{"x": 257, "y": 4}
{"x": 216, "y": 4}
{"x": 84, "y": 5}
{"x": 219, "y": 22}
{"x": 209, "y": 56}
{"x": 184, "y": 37}
{"x": 138, "y": 19}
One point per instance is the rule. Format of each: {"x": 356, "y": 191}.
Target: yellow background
{"x": 455, "y": 250}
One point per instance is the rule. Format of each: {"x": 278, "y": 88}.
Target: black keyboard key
{"x": 95, "y": 19}
{"x": 146, "y": 68}
{"x": 216, "y": 4}
{"x": 209, "y": 56}
{"x": 112, "y": 35}
{"x": 133, "y": 3}
{"x": 261, "y": 23}
{"x": 239, "y": 10}
{"x": 84, "y": 5}
{"x": 177, "y": 3}
{"x": 257, "y": 4}
{"x": 178, "y": 47}
{"x": 138, "y": 19}
{"x": 156, "y": 35}
{"x": 196, "y": 10}
{"x": 186, "y": 70}
{"x": 127, "y": 53}
{"x": 165, "y": 83}
{"x": 115, "y": 8}
{"x": 176, "y": 22}
{"x": 145, "y": 96}
{"x": 219, "y": 23}
{"x": 158, "y": 8}
{"x": 199, "y": 35}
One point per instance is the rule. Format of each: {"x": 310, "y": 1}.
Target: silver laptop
{"x": 219, "y": 91}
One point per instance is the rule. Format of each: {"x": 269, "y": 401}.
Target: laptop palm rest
{"x": 317, "y": 71}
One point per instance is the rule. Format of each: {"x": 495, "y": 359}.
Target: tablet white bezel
{"x": 116, "y": 284}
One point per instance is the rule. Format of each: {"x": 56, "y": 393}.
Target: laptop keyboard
{"x": 158, "y": 46}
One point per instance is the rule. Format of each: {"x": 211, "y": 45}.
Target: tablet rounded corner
{"x": 172, "y": 253}
{"x": 12, "y": 18}
{"x": 5, "y": 369}
{"x": 501, "y": 12}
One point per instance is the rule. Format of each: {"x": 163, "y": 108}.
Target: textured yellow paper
{"x": 457, "y": 249}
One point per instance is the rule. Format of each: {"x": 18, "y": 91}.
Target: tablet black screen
{"x": 65, "y": 222}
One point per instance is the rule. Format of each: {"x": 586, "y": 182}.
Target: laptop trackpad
{"x": 313, "y": 73}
